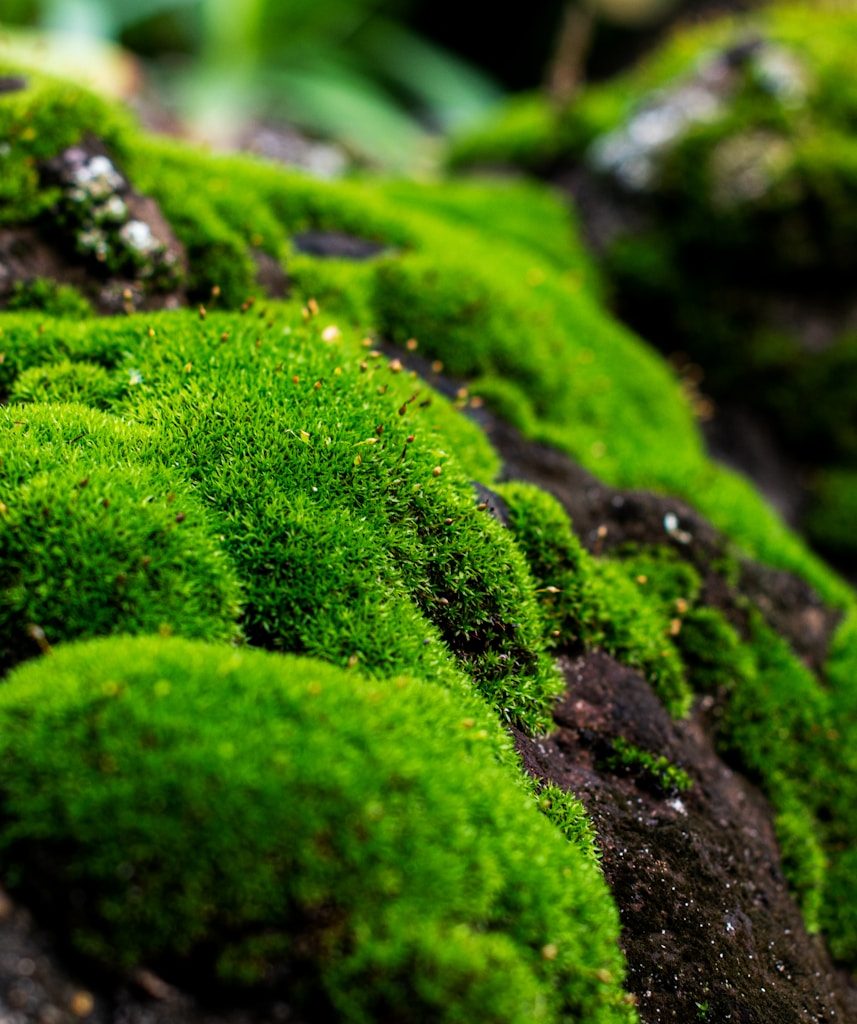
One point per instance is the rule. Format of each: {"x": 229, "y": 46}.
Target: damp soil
{"x": 709, "y": 928}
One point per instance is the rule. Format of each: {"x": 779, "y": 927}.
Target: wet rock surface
{"x": 709, "y": 928}
{"x": 12, "y": 83}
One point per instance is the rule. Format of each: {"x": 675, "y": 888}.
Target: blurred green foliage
{"x": 343, "y": 69}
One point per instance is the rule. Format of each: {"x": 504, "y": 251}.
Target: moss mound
{"x": 89, "y": 548}
{"x": 332, "y": 481}
{"x": 462, "y": 902}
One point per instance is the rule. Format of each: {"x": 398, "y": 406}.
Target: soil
{"x": 710, "y": 931}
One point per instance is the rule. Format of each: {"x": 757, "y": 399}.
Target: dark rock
{"x": 270, "y": 275}
{"x": 710, "y": 930}
{"x": 336, "y": 245}
{"x": 12, "y": 83}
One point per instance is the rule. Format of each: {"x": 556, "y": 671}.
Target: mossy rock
{"x": 262, "y": 819}
{"x": 340, "y": 488}
{"x": 527, "y": 328}
{"x": 721, "y": 190}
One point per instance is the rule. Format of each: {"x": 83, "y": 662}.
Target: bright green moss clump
{"x": 88, "y": 548}
{"x": 368, "y": 856}
{"x": 593, "y": 601}
{"x": 65, "y": 381}
{"x": 332, "y": 479}
{"x": 652, "y": 769}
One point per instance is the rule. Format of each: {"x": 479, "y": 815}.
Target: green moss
{"x": 352, "y": 542}
{"x": 804, "y": 861}
{"x": 290, "y": 794}
{"x": 88, "y": 548}
{"x": 785, "y": 729}
{"x": 523, "y": 134}
{"x": 667, "y": 580}
{"x": 526, "y": 321}
{"x": 294, "y": 438}
{"x": 592, "y": 601}
{"x": 711, "y": 650}
{"x": 831, "y": 520}
{"x": 560, "y": 566}
{"x": 839, "y": 912}
{"x": 569, "y": 816}
{"x": 650, "y": 769}
{"x": 752, "y": 186}
{"x": 50, "y": 297}
{"x": 66, "y": 381}
{"x": 36, "y": 124}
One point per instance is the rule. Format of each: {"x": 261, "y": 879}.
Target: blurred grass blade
{"x": 341, "y": 104}
{"x": 452, "y": 91}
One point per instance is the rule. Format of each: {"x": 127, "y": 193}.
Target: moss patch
{"x": 727, "y": 168}
{"x": 463, "y": 902}
{"x": 339, "y": 486}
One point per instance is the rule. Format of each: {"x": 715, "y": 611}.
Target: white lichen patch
{"x": 633, "y": 154}
{"x": 138, "y": 235}
{"x": 96, "y": 177}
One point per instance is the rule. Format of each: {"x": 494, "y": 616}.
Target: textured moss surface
{"x": 163, "y": 809}
{"x": 335, "y": 491}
